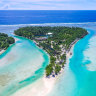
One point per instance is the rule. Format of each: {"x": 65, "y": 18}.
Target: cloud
{"x": 6, "y": 7}
{"x": 47, "y": 4}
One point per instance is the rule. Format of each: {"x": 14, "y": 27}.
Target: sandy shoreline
{"x": 2, "y": 51}
{"x": 43, "y": 86}
{"x": 39, "y": 88}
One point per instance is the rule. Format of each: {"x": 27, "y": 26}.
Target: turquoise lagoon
{"x": 20, "y": 65}
{"x": 23, "y": 63}
{"x": 79, "y": 77}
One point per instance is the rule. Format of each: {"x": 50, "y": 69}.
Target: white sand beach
{"x": 16, "y": 39}
{"x": 39, "y": 88}
{"x": 2, "y": 51}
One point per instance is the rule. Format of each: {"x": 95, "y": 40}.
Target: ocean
{"x": 37, "y": 17}
{"x": 21, "y": 65}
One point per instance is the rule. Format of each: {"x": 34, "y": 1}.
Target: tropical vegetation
{"x": 57, "y": 41}
{"x": 5, "y": 41}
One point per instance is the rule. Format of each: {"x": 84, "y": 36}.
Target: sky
{"x": 47, "y": 4}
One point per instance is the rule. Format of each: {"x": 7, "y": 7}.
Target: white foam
{"x": 41, "y": 24}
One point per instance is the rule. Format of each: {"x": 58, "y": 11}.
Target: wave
{"x": 41, "y": 24}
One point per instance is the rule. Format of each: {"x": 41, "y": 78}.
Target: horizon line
{"x": 45, "y": 10}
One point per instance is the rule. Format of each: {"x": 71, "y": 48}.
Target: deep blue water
{"x": 37, "y": 17}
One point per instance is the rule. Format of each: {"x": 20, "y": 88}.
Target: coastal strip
{"x": 5, "y": 42}
{"x": 56, "y": 41}
{"x": 2, "y": 51}
{"x": 56, "y": 46}
{"x": 44, "y": 85}
{"x": 49, "y": 79}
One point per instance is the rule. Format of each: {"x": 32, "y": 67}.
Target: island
{"x": 56, "y": 41}
{"x": 5, "y": 42}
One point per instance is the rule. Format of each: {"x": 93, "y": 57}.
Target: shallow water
{"x": 21, "y": 64}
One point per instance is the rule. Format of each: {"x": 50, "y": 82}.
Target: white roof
{"x": 49, "y": 33}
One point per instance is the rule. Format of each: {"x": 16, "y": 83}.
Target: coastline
{"x": 43, "y": 85}
{"x": 55, "y": 41}
{"x": 3, "y": 50}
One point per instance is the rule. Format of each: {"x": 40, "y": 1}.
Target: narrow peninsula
{"x": 5, "y": 42}
{"x": 56, "y": 41}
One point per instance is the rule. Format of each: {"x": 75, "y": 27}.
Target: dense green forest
{"x": 5, "y": 41}
{"x": 57, "y": 44}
